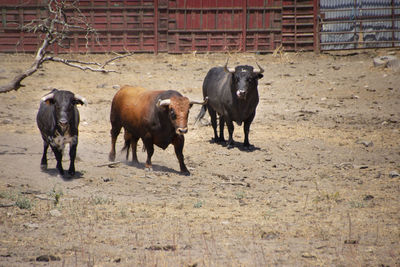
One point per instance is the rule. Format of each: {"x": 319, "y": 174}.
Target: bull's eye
{"x": 173, "y": 115}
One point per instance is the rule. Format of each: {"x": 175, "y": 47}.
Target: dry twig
{"x": 110, "y": 164}
{"x": 7, "y": 205}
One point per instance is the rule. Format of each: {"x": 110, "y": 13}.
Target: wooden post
{"x": 156, "y": 27}
{"x": 316, "y": 26}
{"x": 244, "y": 25}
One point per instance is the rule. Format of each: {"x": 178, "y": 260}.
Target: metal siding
{"x": 353, "y": 24}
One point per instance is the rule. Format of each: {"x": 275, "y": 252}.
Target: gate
{"x": 223, "y": 25}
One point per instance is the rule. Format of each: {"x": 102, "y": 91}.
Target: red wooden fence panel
{"x": 174, "y": 26}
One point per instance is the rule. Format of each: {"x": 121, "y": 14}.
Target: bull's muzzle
{"x": 181, "y": 131}
{"x": 241, "y": 94}
{"x": 63, "y": 124}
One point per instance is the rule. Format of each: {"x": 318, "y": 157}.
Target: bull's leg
{"x": 43, "y": 163}
{"x": 150, "y": 150}
{"x": 134, "y": 146}
{"x": 58, "y": 155}
{"x": 221, "y": 138}
{"x": 213, "y": 116}
{"x": 115, "y": 130}
{"x": 246, "y": 129}
{"x": 128, "y": 139}
{"x": 72, "y": 156}
{"x": 230, "y": 126}
{"x": 178, "y": 143}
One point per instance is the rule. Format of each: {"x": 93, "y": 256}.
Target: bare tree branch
{"x": 71, "y": 64}
{"x": 56, "y": 28}
{"x": 15, "y": 84}
{"x": 115, "y": 58}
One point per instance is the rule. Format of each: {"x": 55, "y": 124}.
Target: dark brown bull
{"x": 157, "y": 117}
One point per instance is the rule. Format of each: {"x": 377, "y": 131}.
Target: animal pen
{"x": 183, "y": 26}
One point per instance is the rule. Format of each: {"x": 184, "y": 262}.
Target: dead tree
{"x": 55, "y": 29}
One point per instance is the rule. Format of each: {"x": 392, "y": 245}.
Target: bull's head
{"x": 245, "y": 78}
{"x": 64, "y": 103}
{"x": 178, "y": 111}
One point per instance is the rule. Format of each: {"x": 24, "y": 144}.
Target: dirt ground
{"x": 321, "y": 187}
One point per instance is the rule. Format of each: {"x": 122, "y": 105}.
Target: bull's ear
{"x": 259, "y": 75}
{"x": 49, "y": 101}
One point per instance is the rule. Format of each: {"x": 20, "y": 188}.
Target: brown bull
{"x": 157, "y": 117}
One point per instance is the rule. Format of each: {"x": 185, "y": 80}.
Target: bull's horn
{"x": 226, "y": 69}
{"x": 198, "y": 102}
{"x": 81, "y": 98}
{"x": 47, "y": 97}
{"x": 164, "y": 102}
{"x": 260, "y": 70}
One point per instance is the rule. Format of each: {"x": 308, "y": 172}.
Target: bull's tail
{"x": 201, "y": 113}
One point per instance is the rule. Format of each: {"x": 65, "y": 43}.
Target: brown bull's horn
{"x": 80, "y": 98}
{"x": 47, "y": 97}
{"x": 260, "y": 70}
{"x": 164, "y": 102}
{"x": 199, "y": 102}
{"x": 226, "y": 69}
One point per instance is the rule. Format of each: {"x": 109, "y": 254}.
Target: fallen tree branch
{"x": 72, "y": 64}
{"x": 115, "y": 58}
{"x": 56, "y": 29}
{"x": 110, "y": 164}
{"x": 15, "y": 84}
{"x": 43, "y": 198}
{"x": 7, "y": 205}
{"x": 236, "y": 183}
{"x": 84, "y": 62}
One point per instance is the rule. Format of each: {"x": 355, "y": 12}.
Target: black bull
{"x": 58, "y": 120}
{"x": 233, "y": 94}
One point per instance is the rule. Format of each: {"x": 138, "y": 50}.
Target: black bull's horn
{"x": 230, "y": 70}
{"x": 51, "y": 96}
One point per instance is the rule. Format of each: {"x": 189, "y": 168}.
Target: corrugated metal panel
{"x": 352, "y": 24}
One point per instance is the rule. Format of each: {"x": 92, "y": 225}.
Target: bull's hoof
{"x": 111, "y": 156}
{"x": 185, "y": 172}
{"x": 230, "y": 145}
{"x": 247, "y": 147}
{"x": 148, "y": 169}
{"x": 43, "y": 167}
{"x": 220, "y": 141}
{"x": 71, "y": 173}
